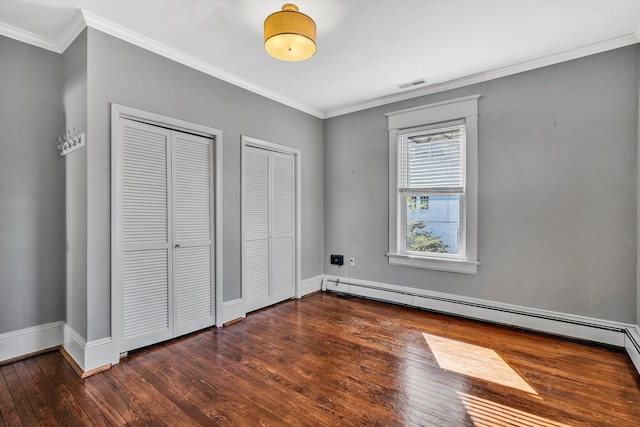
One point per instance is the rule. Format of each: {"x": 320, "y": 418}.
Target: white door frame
{"x": 118, "y": 113}
{"x": 297, "y": 155}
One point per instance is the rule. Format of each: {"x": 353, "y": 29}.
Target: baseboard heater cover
{"x": 572, "y": 326}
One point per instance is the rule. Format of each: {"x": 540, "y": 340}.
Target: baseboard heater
{"x": 572, "y": 326}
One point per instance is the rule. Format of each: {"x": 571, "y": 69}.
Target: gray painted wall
{"x": 74, "y": 88}
{"x": 31, "y": 187}
{"x": 121, "y": 73}
{"x": 557, "y": 190}
{"x": 558, "y": 152}
{"x": 638, "y": 204}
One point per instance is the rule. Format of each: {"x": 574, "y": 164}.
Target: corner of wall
{"x": 90, "y": 357}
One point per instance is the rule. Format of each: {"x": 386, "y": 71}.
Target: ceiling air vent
{"x": 412, "y": 84}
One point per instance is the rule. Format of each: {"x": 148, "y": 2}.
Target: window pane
{"x": 432, "y": 161}
{"x": 433, "y": 223}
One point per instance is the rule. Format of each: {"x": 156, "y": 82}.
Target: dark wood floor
{"x": 329, "y": 361}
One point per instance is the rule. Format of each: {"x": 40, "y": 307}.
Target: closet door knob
{"x": 177, "y": 246}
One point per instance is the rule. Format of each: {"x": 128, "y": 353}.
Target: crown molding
{"x": 75, "y": 27}
{"x": 28, "y": 37}
{"x": 85, "y": 19}
{"x": 615, "y": 43}
{"x": 139, "y": 40}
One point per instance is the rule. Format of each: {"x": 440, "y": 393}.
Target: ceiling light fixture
{"x": 290, "y": 35}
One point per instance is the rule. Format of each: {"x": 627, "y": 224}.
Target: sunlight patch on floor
{"x": 485, "y": 413}
{"x": 475, "y": 361}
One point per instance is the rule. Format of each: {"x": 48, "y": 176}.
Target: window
{"x": 433, "y": 186}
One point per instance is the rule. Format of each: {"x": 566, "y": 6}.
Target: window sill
{"x": 441, "y": 264}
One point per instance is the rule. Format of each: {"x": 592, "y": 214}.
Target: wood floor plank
{"x": 173, "y": 378}
{"x": 109, "y": 402}
{"x": 252, "y": 388}
{"x": 42, "y": 397}
{"x": 68, "y": 389}
{"x": 171, "y": 393}
{"x": 19, "y": 396}
{"x": 346, "y": 383}
{"x": 8, "y": 412}
{"x": 261, "y": 361}
{"x": 137, "y": 381}
{"x": 237, "y": 407}
{"x": 25, "y": 394}
{"x": 327, "y": 360}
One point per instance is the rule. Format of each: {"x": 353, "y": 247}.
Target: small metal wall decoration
{"x": 70, "y": 141}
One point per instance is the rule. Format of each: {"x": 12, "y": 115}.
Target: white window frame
{"x": 465, "y": 108}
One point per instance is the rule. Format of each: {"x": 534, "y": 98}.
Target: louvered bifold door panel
{"x": 145, "y": 294}
{"x": 193, "y": 207}
{"x": 283, "y": 227}
{"x": 256, "y": 274}
{"x": 146, "y": 230}
{"x": 255, "y": 228}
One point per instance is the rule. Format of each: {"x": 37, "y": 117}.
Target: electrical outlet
{"x": 352, "y": 262}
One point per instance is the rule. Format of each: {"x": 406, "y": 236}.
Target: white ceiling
{"x": 365, "y": 47}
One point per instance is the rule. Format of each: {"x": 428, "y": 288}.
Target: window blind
{"x": 432, "y": 161}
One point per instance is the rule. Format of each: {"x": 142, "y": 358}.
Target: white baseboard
{"x": 97, "y": 353}
{"x": 74, "y": 344}
{"x": 21, "y": 343}
{"x": 632, "y": 345}
{"x": 563, "y": 324}
{"x": 311, "y": 285}
{"x": 30, "y": 340}
{"x": 88, "y": 355}
{"x": 233, "y": 310}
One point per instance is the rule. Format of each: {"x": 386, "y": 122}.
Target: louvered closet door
{"x": 282, "y": 227}
{"x": 193, "y": 201}
{"x": 145, "y": 236}
{"x": 255, "y": 206}
{"x": 268, "y": 189}
{"x": 166, "y": 234}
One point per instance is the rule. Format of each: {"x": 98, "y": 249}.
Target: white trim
{"x": 311, "y": 285}
{"x": 232, "y": 310}
{"x": 75, "y": 27}
{"x": 88, "y": 355}
{"x": 592, "y": 49}
{"x": 86, "y": 19}
{"x": 119, "y": 112}
{"x": 218, "y": 230}
{"x": 632, "y": 345}
{"x": 28, "y": 37}
{"x": 248, "y": 141}
{"x": 75, "y": 345}
{"x": 436, "y": 112}
{"x": 97, "y": 354}
{"x": 460, "y": 108}
{"x": 30, "y": 340}
{"x": 144, "y": 42}
{"x": 563, "y": 324}
{"x": 440, "y": 264}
